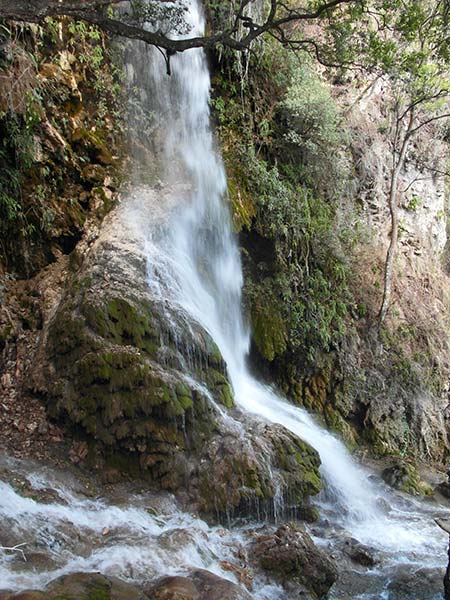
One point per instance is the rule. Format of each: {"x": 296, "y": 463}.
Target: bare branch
{"x": 16, "y": 548}
{"x": 428, "y": 121}
{"x": 92, "y": 12}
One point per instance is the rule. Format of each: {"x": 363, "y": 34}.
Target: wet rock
{"x": 444, "y": 489}
{"x": 290, "y": 553}
{"x": 127, "y": 376}
{"x": 403, "y": 475}
{"x": 425, "y": 584}
{"x": 172, "y": 588}
{"x": 359, "y": 553}
{"x": 178, "y": 538}
{"x": 243, "y": 574}
{"x": 198, "y": 585}
{"x": 83, "y": 586}
{"x": 383, "y": 505}
{"x": 247, "y": 470}
{"x": 24, "y": 596}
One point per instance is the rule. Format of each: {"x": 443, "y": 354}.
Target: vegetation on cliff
{"x": 60, "y": 126}
{"x": 303, "y": 181}
{"x": 340, "y": 327}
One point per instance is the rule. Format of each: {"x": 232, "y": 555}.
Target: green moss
{"x": 98, "y": 594}
{"x": 242, "y": 204}
{"x": 337, "y": 423}
{"x": 314, "y": 479}
{"x": 92, "y": 140}
{"x": 122, "y": 323}
{"x": 269, "y": 330}
{"x": 219, "y": 383}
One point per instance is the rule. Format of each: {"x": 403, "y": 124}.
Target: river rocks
{"x": 359, "y": 553}
{"x": 144, "y": 389}
{"x": 83, "y": 586}
{"x": 405, "y": 477}
{"x": 425, "y": 584}
{"x": 199, "y": 585}
{"x": 289, "y": 553}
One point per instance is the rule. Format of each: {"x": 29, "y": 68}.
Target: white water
{"x": 197, "y": 266}
{"x": 194, "y": 264}
{"x": 124, "y": 539}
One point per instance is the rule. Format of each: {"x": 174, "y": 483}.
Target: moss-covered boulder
{"x": 146, "y": 388}
{"x": 83, "y": 586}
{"x": 403, "y": 475}
{"x": 269, "y": 472}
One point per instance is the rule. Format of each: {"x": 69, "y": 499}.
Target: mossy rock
{"x": 84, "y": 586}
{"x": 404, "y": 476}
{"x": 269, "y": 330}
{"x": 236, "y": 479}
{"x": 243, "y": 205}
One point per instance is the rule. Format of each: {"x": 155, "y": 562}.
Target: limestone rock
{"x": 145, "y": 388}
{"x": 82, "y": 586}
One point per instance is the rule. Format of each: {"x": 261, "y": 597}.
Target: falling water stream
{"x": 194, "y": 264}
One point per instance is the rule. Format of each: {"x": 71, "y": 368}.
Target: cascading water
{"x": 194, "y": 266}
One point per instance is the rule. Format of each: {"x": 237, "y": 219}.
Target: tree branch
{"x": 92, "y": 12}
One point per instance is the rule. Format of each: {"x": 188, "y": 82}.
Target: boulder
{"x": 197, "y": 585}
{"x": 425, "y": 584}
{"x": 359, "y": 553}
{"x": 403, "y": 476}
{"x": 83, "y": 586}
{"x": 290, "y": 554}
{"x": 144, "y": 390}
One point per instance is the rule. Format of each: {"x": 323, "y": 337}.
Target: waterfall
{"x": 194, "y": 270}
{"x": 195, "y": 264}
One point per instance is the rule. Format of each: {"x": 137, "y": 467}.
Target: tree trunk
{"x": 393, "y": 209}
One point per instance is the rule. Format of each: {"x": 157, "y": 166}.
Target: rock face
{"x": 198, "y": 585}
{"x": 147, "y": 388}
{"x": 290, "y": 554}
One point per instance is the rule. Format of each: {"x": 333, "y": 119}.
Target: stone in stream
{"x": 290, "y": 554}
{"x": 425, "y": 584}
{"x": 82, "y": 586}
{"x": 359, "y": 553}
{"x": 198, "y": 585}
{"x": 404, "y": 476}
